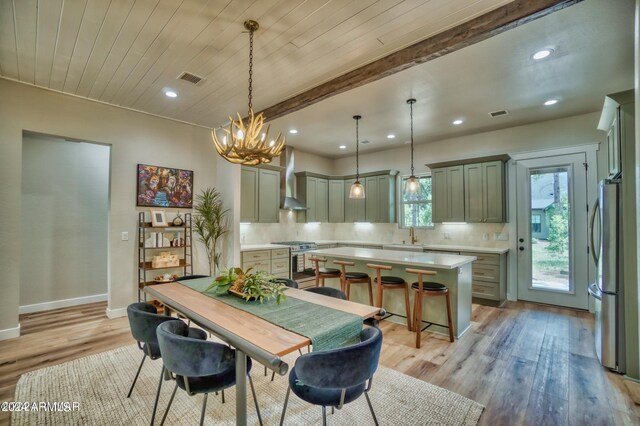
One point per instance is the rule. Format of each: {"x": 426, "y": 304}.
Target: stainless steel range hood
{"x": 288, "y": 182}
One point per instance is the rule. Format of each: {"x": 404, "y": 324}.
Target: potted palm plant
{"x": 210, "y": 223}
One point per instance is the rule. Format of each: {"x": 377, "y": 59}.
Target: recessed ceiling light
{"x": 458, "y": 122}
{"x": 171, "y": 94}
{"x": 391, "y": 136}
{"x": 551, "y": 102}
{"x": 342, "y": 147}
{"x": 293, "y": 131}
{"x": 541, "y": 54}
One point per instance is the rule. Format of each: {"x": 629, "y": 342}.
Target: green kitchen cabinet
{"x": 484, "y": 192}
{"x": 314, "y": 192}
{"x": 371, "y": 200}
{"x": 260, "y": 194}
{"x": 336, "y": 200}
{"x": 448, "y": 194}
{"x": 354, "y": 208}
{"x": 268, "y": 196}
{"x": 249, "y": 194}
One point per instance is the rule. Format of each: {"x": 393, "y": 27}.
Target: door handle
{"x": 592, "y": 219}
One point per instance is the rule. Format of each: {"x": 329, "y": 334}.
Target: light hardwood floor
{"x": 528, "y": 364}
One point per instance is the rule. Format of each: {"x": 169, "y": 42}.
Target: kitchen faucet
{"x": 412, "y": 234}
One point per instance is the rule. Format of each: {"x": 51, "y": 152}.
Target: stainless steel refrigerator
{"x": 607, "y": 290}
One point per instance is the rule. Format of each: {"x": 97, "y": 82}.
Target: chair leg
{"x": 347, "y": 286}
{"x": 273, "y": 375}
{"x": 407, "y": 306}
{"x": 284, "y": 407}
{"x": 324, "y": 416}
{"x": 223, "y": 401}
{"x": 414, "y": 319}
{"x": 370, "y": 292}
{"x": 449, "y": 317}
{"x": 135, "y": 379}
{"x": 170, "y": 402}
{"x": 204, "y": 408}
{"x": 375, "y": 419}
{"x": 418, "y": 319}
{"x": 155, "y": 404}
{"x": 255, "y": 398}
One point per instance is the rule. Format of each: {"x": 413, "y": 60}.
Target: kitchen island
{"x": 454, "y": 271}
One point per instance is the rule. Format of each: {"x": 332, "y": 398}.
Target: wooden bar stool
{"x": 427, "y": 289}
{"x": 349, "y": 278}
{"x": 323, "y": 273}
{"x": 388, "y": 282}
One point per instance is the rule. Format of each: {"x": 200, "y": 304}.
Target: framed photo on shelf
{"x": 164, "y": 187}
{"x": 158, "y": 218}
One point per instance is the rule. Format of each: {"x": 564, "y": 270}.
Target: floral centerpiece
{"x": 249, "y": 285}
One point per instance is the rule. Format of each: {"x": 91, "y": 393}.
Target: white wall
{"x": 65, "y": 209}
{"x": 134, "y": 138}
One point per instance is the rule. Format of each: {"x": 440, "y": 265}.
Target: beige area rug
{"x": 99, "y": 383}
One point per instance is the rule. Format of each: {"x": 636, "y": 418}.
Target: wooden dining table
{"x": 250, "y": 335}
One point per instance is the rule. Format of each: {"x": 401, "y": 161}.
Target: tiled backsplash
{"x": 480, "y": 234}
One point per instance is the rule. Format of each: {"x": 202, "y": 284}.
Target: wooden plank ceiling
{"x": 128, "y": 52}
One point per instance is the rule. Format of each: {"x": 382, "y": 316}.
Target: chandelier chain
{"x": 357, "y": 153}
{"x": 250, "y": 67}
{"x": 411, "y": 117}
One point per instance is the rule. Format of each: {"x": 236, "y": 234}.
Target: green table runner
{"x": 327, "y": 328}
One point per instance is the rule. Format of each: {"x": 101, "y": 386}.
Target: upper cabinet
{"x": 447, "y": 185}
{"x": 354, "y": 208}
{"x": 327, "y": 198}
{"x": 471, "y": 191}
{"x": 260, "y": 195}
{"x": 314, "y": 192}
{"x": 336, "y": 200}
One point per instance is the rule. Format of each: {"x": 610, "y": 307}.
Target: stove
{"x": 300, "y": 265}
{"x": 298, "y": 246}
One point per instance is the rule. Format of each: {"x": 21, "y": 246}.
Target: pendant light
{"x": 247, "y": 143}
{"x": 412, "y": 185}
{"x": 357, "y": 189}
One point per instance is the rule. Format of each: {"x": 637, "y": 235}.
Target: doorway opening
{"x": 64, "y": 223}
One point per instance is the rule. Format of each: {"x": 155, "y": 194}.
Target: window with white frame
{"x": 415, "y": 208}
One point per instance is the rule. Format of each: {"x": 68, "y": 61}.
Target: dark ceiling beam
{"x": 512, "y": 15}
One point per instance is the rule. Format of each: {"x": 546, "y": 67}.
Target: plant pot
{"x": 239, "y": 295}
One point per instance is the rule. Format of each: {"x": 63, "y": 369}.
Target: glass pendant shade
{"x": 412, "y": 185}
{"x": 357, "y": 190}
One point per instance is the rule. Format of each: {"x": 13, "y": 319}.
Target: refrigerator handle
{"x": 592, "y": 219}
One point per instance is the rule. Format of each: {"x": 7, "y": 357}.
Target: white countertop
{"x": 449, "y": 247}
{"x": 493, "y": 250}
{"x": 425, "y": 260}
{"x": 251, "y": 247}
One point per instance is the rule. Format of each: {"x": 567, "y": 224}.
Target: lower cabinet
{"x": 489, "y": 277}
{"x": 275, "y": 261}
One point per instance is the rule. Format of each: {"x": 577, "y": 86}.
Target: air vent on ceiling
{"x": 190, "y": 78}
{"x": 499, "y": 113}
{"x": 364, "y": 142}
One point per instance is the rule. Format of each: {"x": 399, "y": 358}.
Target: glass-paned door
{"x": 552, "y": 230}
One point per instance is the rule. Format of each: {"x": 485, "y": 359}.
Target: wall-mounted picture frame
{"x": 158, "y": 218}
{"x": 164, "y": 187}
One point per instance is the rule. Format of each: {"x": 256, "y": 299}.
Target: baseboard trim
{"x": 65, "y": 303}
{"x": 116, "y": 313}
{"x": 10, "y": 333}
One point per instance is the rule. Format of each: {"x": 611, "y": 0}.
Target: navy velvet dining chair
{"x": 336, "y": 377}
{"x": 143, "y": 321}
{"x": 328, "y": 291}
{"x": 200, "y": 367}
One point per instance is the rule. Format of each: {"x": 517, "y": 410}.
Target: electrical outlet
{"x": 485, "y": 236}
{"x": 125, "y": 236}
{"x": 501, "y": 237}
{"x": 446, "y": 235}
